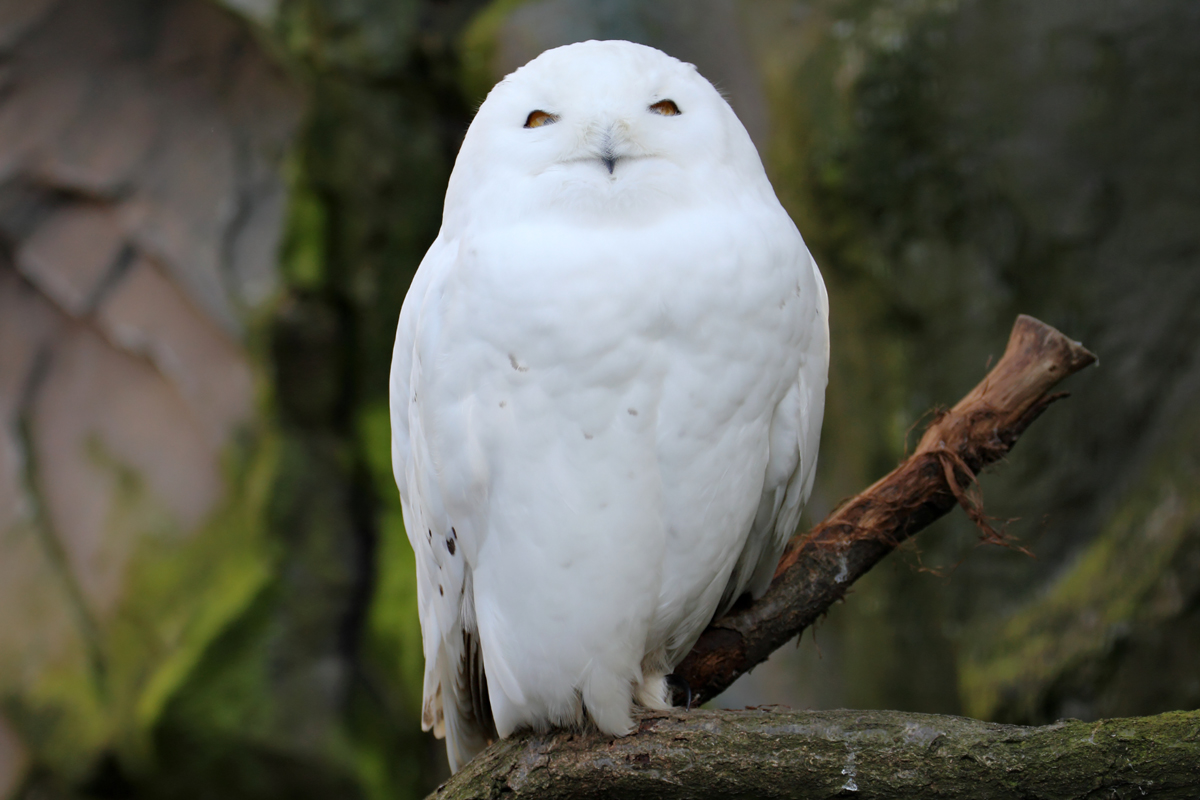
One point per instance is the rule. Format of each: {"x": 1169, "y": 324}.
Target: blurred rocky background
{"x": 210, "y": 212}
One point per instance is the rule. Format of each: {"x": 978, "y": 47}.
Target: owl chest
{"x": 605, "y": 302}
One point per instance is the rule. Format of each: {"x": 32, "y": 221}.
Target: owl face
{"x": 604, "y": 130}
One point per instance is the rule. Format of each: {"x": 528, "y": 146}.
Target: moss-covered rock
{"x": 211, "y": 589}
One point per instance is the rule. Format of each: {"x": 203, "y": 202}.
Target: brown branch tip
{"x": 818, "y": 566}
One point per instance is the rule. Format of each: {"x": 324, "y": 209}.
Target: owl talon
{"x": 680, "y": 686}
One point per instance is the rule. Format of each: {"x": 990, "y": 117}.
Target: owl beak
{"x": 608, "y": 146}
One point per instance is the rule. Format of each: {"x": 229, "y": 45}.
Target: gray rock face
{"x": 141, "y": 206}
{"x": 209, "y": 213}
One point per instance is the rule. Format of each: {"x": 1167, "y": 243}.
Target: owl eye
{"x": 537, "y": 119}
{"x": 666, "y": 107}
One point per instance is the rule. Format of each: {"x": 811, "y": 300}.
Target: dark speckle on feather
{"x": 450, "y": 546}
{"x": 441, "y": 590}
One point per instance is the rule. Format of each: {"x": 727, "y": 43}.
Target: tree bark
{"x": 880, "y": 754}
{"x": 768, "y": 753}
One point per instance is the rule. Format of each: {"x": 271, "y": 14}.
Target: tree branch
{"x": 767, "y": 753}
{"x": 818, "y": 567}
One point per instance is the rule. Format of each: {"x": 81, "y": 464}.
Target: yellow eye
{"x": 537, "y": 119}
{"x": 666, "y": 107}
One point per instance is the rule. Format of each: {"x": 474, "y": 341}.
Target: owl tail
{"x": 464, "y": 713}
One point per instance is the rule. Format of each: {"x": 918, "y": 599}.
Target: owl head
{"x": 607, "y": 132}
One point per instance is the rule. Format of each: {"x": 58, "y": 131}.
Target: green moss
{"x": 228, "y": 691}
{"x": 374, "y": 431}
{"x": 60, "y": 716}
{"x": 1111, "y": 589}
{"x": 179, "y": 592}
{"x": 394, "y": 630}
{"x": 304, "y": 255}
{"x": 367, "y": 38}
{"x": 197, "y": 590}
{"x": 887, "y": 755}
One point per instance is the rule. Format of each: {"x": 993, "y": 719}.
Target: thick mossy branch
{"x": 820, "y": 565}
{"x": 826, "y": 754}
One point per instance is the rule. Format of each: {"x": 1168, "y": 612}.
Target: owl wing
{"x": 455, "y": 701}
{"x": 795, "y": 437}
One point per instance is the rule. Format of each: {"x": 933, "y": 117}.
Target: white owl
{"x": 606, "y": 393}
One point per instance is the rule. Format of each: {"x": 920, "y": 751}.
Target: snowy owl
{"x": 606, "y": 393}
